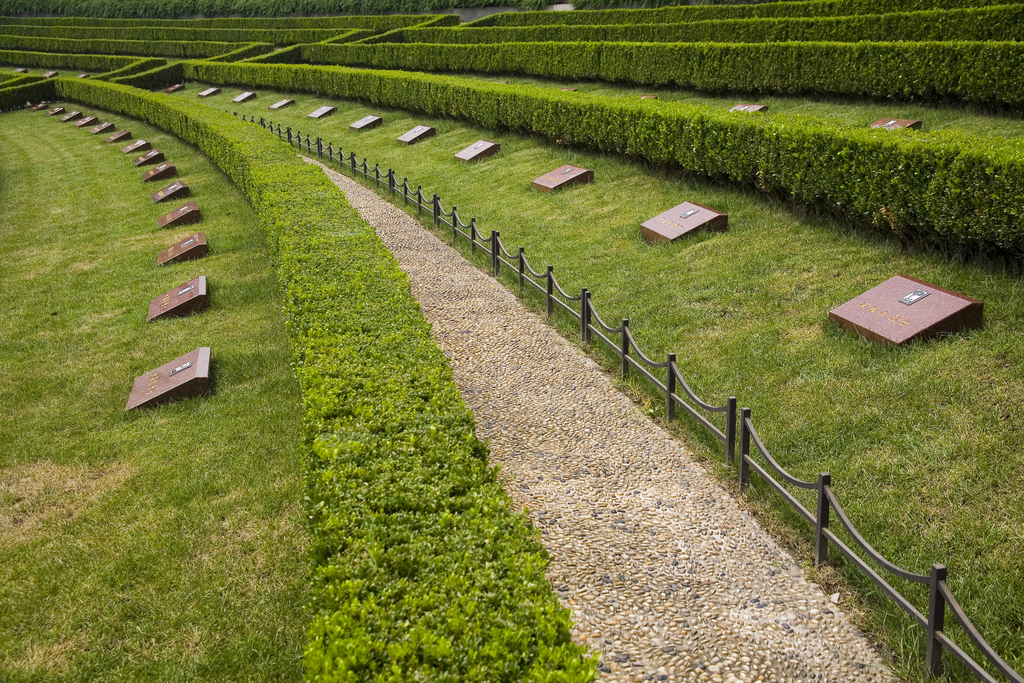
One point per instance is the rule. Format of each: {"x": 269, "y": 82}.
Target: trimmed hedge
{"x": 175, "y": 33}
{"x": 943, "y": 187}
{"x": 374, "y": 23}
{"x": 15, "y": 95}
{"x": 171, "y": 9}
{"x": 981, "y": 73}
{"x": 288, "y": 55}
{"x": 147, "y": 64}
{"x": 423, "y": 572}
{"x": 65, "y": 61}
{"x": 138, "y": 48}
{"x": 244, "y": 52}
{"x": 156, "y": 78}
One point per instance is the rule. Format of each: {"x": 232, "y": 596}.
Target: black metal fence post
{"x": 319, "y": 148}
{"x": 585, "y": 315}
{"x": 821, "y": 523}
{"x": 419, "y": 200}
{"x": 730, "y": 430}
{"x": 624, "y": 348}
{"x": 495, "y": 261}
{"x": 437, "y": 210}
{"x": 391, "y": 182}
{"x": 936, "y": 620}
{"x": 670, "y": 387}
{"x": 744, "y": 468}
{"x": 289, "y": 135}
{"x": 551, "y": 289}
{"x": 522, "y": 269}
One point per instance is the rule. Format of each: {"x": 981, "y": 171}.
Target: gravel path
{"x": 666, "y": 576}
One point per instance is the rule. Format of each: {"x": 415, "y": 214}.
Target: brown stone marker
{"x": 160, "y": 173}
{"x": 751, "y": 108}
{"x": 183, "y": 377}
{"x": 904, "y": 308}
{"x": 55, "y": 111}
{"x": 478, "y": 150}
{"x": 370, "y": 121}
{"x": 175, "y": 88}
{"x": 137, "y": 146}
{"x": 21, "y": 70}
{"x": 893, "y": 124}
{"x": 563, "y": 176}
{"x": 183, "y": 215}
{"x": 50, "y": 74}
{"x": 87, "y": 121}
{"x": 153, "y": 156}
{"x": 102, "y": 128}
{"x": 71, "y": 116}
{"x": 191, "y": 247}
{"x": 322, "y": 112}
{"x": 41, "y": 105}
{"x": 209, "y": 92}
{"x": 186, "y": 298}
{"x": 281, "y": 104}
{"x": 648, "y": 97}
{"x": 175, "y": 190}
{"x": 568, "y": 89}
{"x": 416, "y": 134}
{"x": 682, "y": 220}
{"x": 120, "y": 136}
{"x": 244, "y": 97}
{"x": 82, "y": 76}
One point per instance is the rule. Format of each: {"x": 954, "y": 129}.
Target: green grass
{"x": 925, "y": 442}
{"x": 165, "y": 544}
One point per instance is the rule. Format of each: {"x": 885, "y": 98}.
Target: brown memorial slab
{"x": 209, "y": 92}
{"x": 188, "y": 297}
{"x": 416, "y": 134}
{"x": 244, "y": 97}
{"x": 120, "y": 136}
{"x": 153, "y": 156}
{"x": 563, "y": 176}
{"x": 102, "y": 128}
{"x": 682, "y": 220}
{"x": 478, "y": 150}
{"x": 87, "y": 121}
{"x": 37, "y": 107}
{"x": 21, "y": 70}
{"x": 137, "y": 146}
{"x": 568, "y": 89}
{"x": 192, "y": 247}
{"x": 370, "y": 121}
{"x": 751, "y": 108}
{"x": 894, "y": 124}
{"x": 648, "y": 97}
{"x": 904, "y": 308}
{"x": 183, "y": 215}
{"x": 183, "y": 377}
{"x": 281, "y": 104}
{"x": 160, "y": 172}
{"x": 71, "y": 116}
{"x": 175, "y": 88}
{"x": 50, "y": 74}
{"x": 322, "y": 112}
{"x": 55, "y": 111}
{"x": 82, "y": 76}
{"x": 175, "y": 190}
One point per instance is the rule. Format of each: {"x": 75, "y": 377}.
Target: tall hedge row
{"x": 138, "y": 48}
{"x": 244, "y": 52}
{"x": 944, "y": 187}
{"x": 422, "y": 570}
{"x": 175, "y": 33}
{"x": 375, "y": 23}
{"x": 136, "y": 67}
{"x": 14, "y": 94}
{"x": 984, "y": 73}
{"x": 56, "y": 60}
{"x": 158, "y": 77}
{"x": 172, "y": 9}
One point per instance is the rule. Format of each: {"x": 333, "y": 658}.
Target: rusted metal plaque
{"x": 478, "y": 150}
{"x": 209, "y": 92}
{"x": 183, "y": 377}
{"x": 416, "y": 134}
{"x": 894, "y": 124}
{"x": 160, "y": 172}
{"x": 183, "y": 215}
{"x": 41, "y": 105}
{"x": 192, "y": 247}
{"x": 681, "y": 220}
{"x": 752, "y": 108}
{"x": 175, "y": 190}
{"x": 905, "y": 308}
{"x": 370, "y": 121}
{"x": 55, "y": 111}
{"x": 137, "y": 146}
{"x": 102, "y": 128}
{"x": 50, "y": 74}
{"x": 175, "y": 88}
{"x": 82, "y": 76}
{"x": 71, "y": 116}
{"x": 281, "y": 104}
{"x": 87, "y": 121}
{"x": 153, "y": 156}
{"x": 186, "y": 298}
{"x": 322, "y": 112}
{"x": 120, "y": 136}
{"x": 244, "y": 97}
{"x": 563, "y": 176}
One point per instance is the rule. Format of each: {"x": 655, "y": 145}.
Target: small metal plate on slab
{"x": 82, "y": 76}
{"x": 50, "y": 74}
{"x": 137, "y": 146}
{"x": 153, "y": 156}
{"x": 87, "y": 121}
{"x": 563, "y": 176}
{"x": 568, "y": 89}
{"x": 416, "y": 134}
{"x": 41, "y": 105}
{"x": 71, "y": 116}
{"x": 905, "y": 308}
{"x": 175, "y": 88}
{"x": 478, "y": 150}
{"x": 102, "y": 128}
{"x": 894, "y": 124}
{"x": 183, "y": 377}
{"x": 322, "y": 112}
{"x": 21, "y": 70}
{"x": 192, "y": 247}
{"x": 160, "y": 172}
{"x": 176, "y": 190}
{"x": 751, "y": 108}
{"x": 55, "y": 111}
{"x": 281, "y": 104}
{"x": 244, "y": 97}
{"x": 681, "y": 220}
{"x": 648, "y": 97}
{"x": 370, "y": 121}
{"x": 120, "y": 136}
{"x": 186, "y": 298}
{"x": 183, "y": 215}
{"x": 209, "y": 92}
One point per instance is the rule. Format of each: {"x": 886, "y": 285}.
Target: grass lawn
{"x": 165, "y": 544}
{"x": 925, "y": 443}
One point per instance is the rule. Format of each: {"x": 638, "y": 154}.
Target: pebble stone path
{"x": 668, "y": 579}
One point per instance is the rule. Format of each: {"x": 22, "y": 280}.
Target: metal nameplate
{"x": 568, "y": 170}
{"x": 186, "y": 290}
{"x": 886, "y": 125}
{"x": 914, "y": 297}
{"x": 183, "y": 366}
{"x": 687, "y": 214}
{"x": 188, "y": 242}
{"x": 478, "y": 145}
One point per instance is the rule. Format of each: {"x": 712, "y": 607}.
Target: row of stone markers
{"x": 188, "y": 375}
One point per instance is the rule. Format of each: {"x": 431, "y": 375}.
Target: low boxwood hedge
{"x": 16, "y": 92}
{"x": 171, "y": 9}
{"x": 373, "y": 23}
{"x": 138, "y": 48}
{"x": 55, "y": 60}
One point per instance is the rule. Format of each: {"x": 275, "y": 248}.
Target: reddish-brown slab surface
{"x": 175, "y": 190}
{"x": 478, "y": 150}
{"x": 417, "y": 134}
{"x": 55, "y": 111}
{"x": 153, "y": 156}
{"x": 183, "y": 215}
{"x": 164, "y": 170}
{"x": 682, "y": 220}
{"x": 183, "y": 377}
{"x": 50, "y": 74}
{"x": 244, "y": 97}
{"x": 562, "y": 177}
{"x": 87, "y": 121}
{"x": 186, "y": 298}
{"x": 281, "y": 104}
{"x": 322, "y": 112}
{"x": 41, "y": 105}
{"x": 71, "y": 116}
{"x": 209, "y": 92}
{"x": 370, "y": 121}
{"x": 762, "y": 108}
{"x": 137, "y": 146}
{"x": 175, "y": 88}
{"x": 893, "y": 124}
{"x": 904, "y": 308}
{"x": 102, "y": 128}
{"x": 192, "y": 247}
{"x": 120, "y": 136}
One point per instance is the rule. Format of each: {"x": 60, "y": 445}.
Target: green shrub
{"x": 174, "y": 33}
{"x": 14, "y": 95}
{"x": 287, "y": 55}
{"x": 139, "y": 66}
{"x": 138, "y": 48}
{"x": 155, "y": 78}
{"x": 244, "y": 52}
{"x": 53, "y": 60}
{"x": 373, "y": 23}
